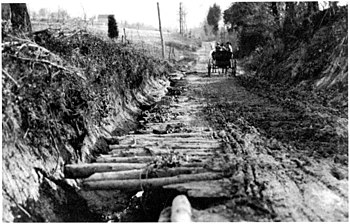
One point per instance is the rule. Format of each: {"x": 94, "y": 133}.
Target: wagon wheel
{"x": 233, "y": 66}
{"x": 209, "y": 67}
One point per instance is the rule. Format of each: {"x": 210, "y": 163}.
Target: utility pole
{"x": 180, "y": 14}
{"x": 182, "y": 19}
{"x": 161, "y": 34}
{"x": 184, "y": 26}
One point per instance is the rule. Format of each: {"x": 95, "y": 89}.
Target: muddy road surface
{"x": 220, "y": 144}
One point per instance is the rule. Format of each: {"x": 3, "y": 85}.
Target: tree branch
{"x": 49, "y": 63}
{"x": 10, "y": 77}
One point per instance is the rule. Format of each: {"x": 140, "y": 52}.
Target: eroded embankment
{"x": 63, "y": 96}
{"x": 171, "y": 152}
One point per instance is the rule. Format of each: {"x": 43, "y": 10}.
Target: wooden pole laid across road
{"x": 139, "y": 184}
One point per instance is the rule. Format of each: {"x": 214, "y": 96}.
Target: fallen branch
{"x": 25, "y": 43}
{"x": 137, "y": 184}
{"x": 10, "y": 77}
{"x": 19, "y": 39}
{"x": 35, "y": 46}
{"x": 85, "y": 170}
{"x": 42, "y": 61}
{"x": 18, "y": 205}
{"x": 10, "y": 44}
{"x": 49, "y": 63}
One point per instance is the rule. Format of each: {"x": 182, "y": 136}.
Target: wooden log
{"x": 199, "y": 154}
{"x": 193, "y": 155}
{"x": 165, "y": 136}
{"x": 124, "y": 146}
{"x": 194, "y": 146}
{"x": 180, "y": 140}
{"x": 133, "y": 152}
{"x": 188, "y": 152}
{"x": 85, "y": 170}
{"x": 162, "y": 149}
{"x": 142, "y": 173}
{"x": 171, "y": 135}
{"x": 143, "y": 141}
{"x": 137, "y": 184}
{"x": 140, "y": 151}
{"x": 170, "y": 172}
{"x": 154, "y": 151}
{"x": 151, "y": 140}
{"x": 138, "y": 159}
{"x": 196, "y": 164}
{"x": 196, "y": 135}
{"x": 181, "y": 210}
{"x": 172, "y": 145}
{"x": 158, "y": 126}
{"x": 117, "y": 175}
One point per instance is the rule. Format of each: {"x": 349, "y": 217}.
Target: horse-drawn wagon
{"x": 222, "y": 60}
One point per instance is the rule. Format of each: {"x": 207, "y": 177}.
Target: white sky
{"x": 144, "y": 11}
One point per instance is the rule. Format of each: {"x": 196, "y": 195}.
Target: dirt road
{"x": 238, "y": 171}
{"x": 280, "y": 182}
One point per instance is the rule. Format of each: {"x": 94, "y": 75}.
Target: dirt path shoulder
{"x": 274, "y": 180}
{"x": 279, "y": 172}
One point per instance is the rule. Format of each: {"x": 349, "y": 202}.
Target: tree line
{"x": 257, "y": 24}
{"x": 44, "y": 14}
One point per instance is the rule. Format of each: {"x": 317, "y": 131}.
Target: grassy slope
{"x": 58, "y": 96}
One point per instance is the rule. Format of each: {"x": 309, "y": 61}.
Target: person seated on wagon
{"x": 213, "y": 49}
{"x": 229, "y": 47}
{"x": 222, "y": 47}
{"x": 218, "y": 47}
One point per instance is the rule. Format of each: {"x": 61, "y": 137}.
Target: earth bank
{"x": 93, "y": 89}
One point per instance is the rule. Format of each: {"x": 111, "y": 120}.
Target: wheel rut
{"x": 229, "y": 172}
{"x": 287, "y": 183}
{"x": 173, "y": 148}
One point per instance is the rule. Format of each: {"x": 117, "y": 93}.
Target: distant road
{"x": 203, "y": 57}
